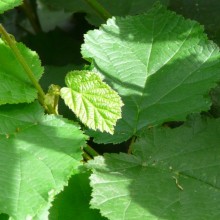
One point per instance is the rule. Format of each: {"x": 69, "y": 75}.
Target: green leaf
{"x": 161, "y": 65}
{"x": 3, "y": 217}
{"x": 114, "y": 7}
{"x": 15, "y": 86}
{"x": 92, "y": 100}
{"x": 172, "y": 174}
{"x": 38, "y": 154}
{"x": 73, "y": 202}
{"x": 9, "y": 4}
{"x": 215, "y": 94}
{"x": 206, "y": 14}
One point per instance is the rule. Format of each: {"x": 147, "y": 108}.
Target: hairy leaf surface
{"x": 15, "y": 86}
{"x": 38, "y": 153}
{"x": 9, "y": 4}
{"x": 92, "y": 100}
{"x": 114, "y": 7}
{"x": 161, "y": 65}
{"x": 172, "y": 174}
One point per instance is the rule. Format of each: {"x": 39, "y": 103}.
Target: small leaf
{"x": 15, "y": 86}
{"x": 93, "y": 101}
{"x": 9, "y": 4}
{"x": 171, "y": 174}
{"x": 38, "y": 154}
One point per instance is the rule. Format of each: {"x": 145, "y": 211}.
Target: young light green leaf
{"x": 161, "y": 64}
{"x": 15, "y": 86}
{"x": 38, "y": 154}
{"x": 172, "y": 174}
{"x": 92, "y": 100}
{"x": 9, "y": 4}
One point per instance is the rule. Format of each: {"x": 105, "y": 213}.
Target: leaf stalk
{"x": 90, "y": 151}
{"x": 9, "y": 39}
{"x": 31, "y": 15}
{"x": 99, "y": 9}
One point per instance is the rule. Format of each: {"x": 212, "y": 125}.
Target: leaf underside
{"x": 161, "y": 64}
{"x": 172, "y": 174}
{"x": 93, "y": 101}
{"x": 38, "y": 154}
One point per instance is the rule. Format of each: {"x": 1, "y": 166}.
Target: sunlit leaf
{"x": 92, "y": 100}
{"x": 162, "y": 65}
{"x": 9, "y": 4}
{"x": 38, "y": 154}
{"x": 171, "y": 174}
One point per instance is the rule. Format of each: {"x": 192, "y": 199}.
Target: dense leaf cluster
{"x": 149, "y": 81}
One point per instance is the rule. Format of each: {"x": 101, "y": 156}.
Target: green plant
{"x": 149, "y": 77}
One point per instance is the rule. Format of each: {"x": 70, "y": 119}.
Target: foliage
{"x": 15, "y": 85}
{"x": 6, "y": 5}
{"x": 122, "y": 7}
{"x": 174, "y": 169}
{"x": 144, "y": 64}
{"x": 148, "y": 81}
{"x": 93, "y": 101}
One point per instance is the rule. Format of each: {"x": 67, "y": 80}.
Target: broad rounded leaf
{"x": 114, "y": 7}
{"x": 38, "y": 154}
{"x": 15, "y": 86}
{"x": 9, "y": 4}
{"x": 172, "y": 174}
{"x": 161, "y": 64}
{"x": 92, "y": 100}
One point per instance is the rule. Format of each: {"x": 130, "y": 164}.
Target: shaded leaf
{"x": 15, "y": 86}
{"x": 205, "y": 12}
{"x": 38, "y": 154}
{"x": 73, "y": 202}
{"x": 161, "y": 65}
{"x": 49, "y": 48}
{"x": 92, "y": 100}
{"x": 114, "y": 7}
{"x": 3, "y": 217}
{"x": 215, "y": 94}
{"x": 50, "y": 19}
{"x": 172, "y": 174}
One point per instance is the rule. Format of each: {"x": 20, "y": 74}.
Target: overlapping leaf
{"x": 92, "y": 100}
{"x": 172, "y": 174}
{"x": 9, "y": 4}
{"x": 114, "y": 7}
{"x": 38, "y": 153}
{"x": 15, "y": 86}
{"x": 75, "y": 201}
{"x": 161, "y": 65}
